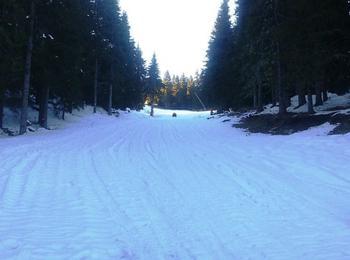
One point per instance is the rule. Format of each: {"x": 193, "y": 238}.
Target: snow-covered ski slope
{"x": 136, "y": 187}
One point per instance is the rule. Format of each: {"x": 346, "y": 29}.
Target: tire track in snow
{"x": 153, "y": 162}
{"x": 16, "y": 180}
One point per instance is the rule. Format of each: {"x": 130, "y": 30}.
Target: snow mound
{"x": 12, "y": 119}
{"x": 334, "y": 103}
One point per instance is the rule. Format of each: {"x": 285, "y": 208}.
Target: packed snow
{"x": 136, "y": 187}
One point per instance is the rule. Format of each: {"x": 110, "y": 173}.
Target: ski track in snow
{"x": 165, "y": 188}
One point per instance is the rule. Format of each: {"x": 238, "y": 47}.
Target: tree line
{"x": 171, "y": 92}
{"x": 273, "y": 50}
{"x": 180, "y": 92}
{"x": 65, "y": 54}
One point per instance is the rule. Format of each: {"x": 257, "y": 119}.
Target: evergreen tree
{"x": 12, "y": 42}
{"x": 81, "y": 50}
{"x": 180, "y": 92}
{"x": 167, "y": 94}
{"x": 140, "y": 78}
{"x": 154, "y": 82}
{"x": 27, "y": 69}
{"x": 267, "y": 65}
{"x": 217, "y": 69}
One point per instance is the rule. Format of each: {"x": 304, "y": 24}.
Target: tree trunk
{"x": 279, "y": 87}
{"x": 152, "y": 106}
{"x": 288, "y": 101}
{"x": 301, "y": 95}
{"x": 95, "y": 86}
{"x": 152, "y": 109}
{"x": 27, "y": 73}
{"x": 260, "y": 103}
{"x": 281, "y": 90}
{"x": 70, "y": 107}
{"x": 43, "y": 109}
{"x": 63, "y": 110}
{"x": 301, "y": 100}
{"x": 258, "y": 90}
{"x": 325, "y": 95}
{"x": 255, "y": 98}
{"x": 274, "y": 96}
{"x": 110, "y": 95}
{"x": 2, "y": 104}
{"x": 319, "y": 101}
{"x": 310, "y": 106}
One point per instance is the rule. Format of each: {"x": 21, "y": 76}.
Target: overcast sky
{"x": 178, "y": 31}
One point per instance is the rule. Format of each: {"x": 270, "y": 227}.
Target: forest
{"x": 68, "y": 54}
{"x": 273, "y": 50}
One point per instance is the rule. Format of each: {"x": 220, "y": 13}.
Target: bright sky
{"x": 178, "y": 31}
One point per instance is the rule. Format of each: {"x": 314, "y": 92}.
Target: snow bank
{"x": 333, "y": 102}
{"x": 12, "y": 118}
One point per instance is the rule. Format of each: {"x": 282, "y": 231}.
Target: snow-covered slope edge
{"x": 12, "y": 116}
{"x": 333, "y": 115}
{"x": 335, "y": 103}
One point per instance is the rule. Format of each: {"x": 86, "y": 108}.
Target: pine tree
{"x": 14, "y": 38}
{"x": 2, "y": 105}
{"x": 267, "y": 65}
{"x": 27, "y": 70}
{"x": 167, "y": 98}
{"x": 139, "y": 78}
{"x": 154, "y": 82}
{"x": 182, "y": 93}
{"x": 96, "y": 39}
{"x": 80, "y": 49}
{"x": 217, "y": 69}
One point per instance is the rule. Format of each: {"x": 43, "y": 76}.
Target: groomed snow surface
{"x": 136, "y": 187}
